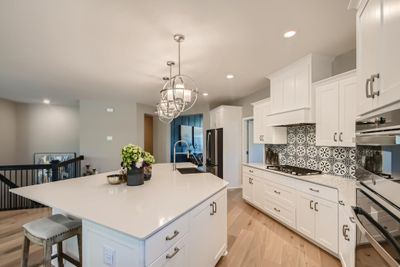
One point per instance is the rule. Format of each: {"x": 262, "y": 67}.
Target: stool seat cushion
{"x": 52, "y": 226}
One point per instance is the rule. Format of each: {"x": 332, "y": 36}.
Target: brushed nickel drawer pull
{"x": 341, "y": 202}
{"x": 278, "y": 210}
{"x": 314, "y": 190}
{"x": 212, "y": 208}
{"x": 170, "y": 256}
{"x": 315, "y": 206}
{"x": 169, "y": 238}
{"x": 277, "y": 192}
{"x": 371, "y": 85}
{"x": 251, "y": 171}
{"x": 345, "y": 228}
{"x": 367, "y": 88}
{"x": 334, "y": 137}
{"x": 311, "y": 207}
{"x": 340, "y": 137}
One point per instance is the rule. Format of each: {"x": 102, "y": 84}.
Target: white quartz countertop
{"x": 138, "y": 211}
{"x": 345, "y": 186}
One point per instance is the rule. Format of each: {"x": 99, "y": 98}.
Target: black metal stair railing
{"x": 14, "y": 176}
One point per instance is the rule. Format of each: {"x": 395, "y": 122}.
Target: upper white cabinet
{"x": 291, "y": 90}
{"x": 264, "y": 134}
{"x": 378, "y": 58}
{"x": 335, "y": 110}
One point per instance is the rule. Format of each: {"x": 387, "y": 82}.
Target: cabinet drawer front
{"x": 320, "y": 191}
{"x": 165, "y": 238}
{"x": 281, "y": 193}
{"x": 286, "y": 214}
{"x": 253, "y": 171}
{"x": 175, "y": 256}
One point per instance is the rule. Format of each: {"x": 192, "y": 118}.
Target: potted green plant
{"x": 148, "y": 163}
{"x": 132, "y": 161}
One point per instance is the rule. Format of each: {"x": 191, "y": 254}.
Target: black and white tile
{"x": 301, "y": 151}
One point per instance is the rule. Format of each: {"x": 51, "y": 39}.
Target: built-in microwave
{"x": 377, "y": 210}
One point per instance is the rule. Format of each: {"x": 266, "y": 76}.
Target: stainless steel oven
{"x": 377, "y": 210}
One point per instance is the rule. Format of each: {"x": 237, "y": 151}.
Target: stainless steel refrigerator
{"x": 214, "y": 151}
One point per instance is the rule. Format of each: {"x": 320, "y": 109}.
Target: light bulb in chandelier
{"x": 185, "y": 92}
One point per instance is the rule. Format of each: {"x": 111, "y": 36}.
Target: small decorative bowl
{"x": 114, "y": 179}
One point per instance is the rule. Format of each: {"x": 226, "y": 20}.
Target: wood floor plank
{"x": 11, "y": 236}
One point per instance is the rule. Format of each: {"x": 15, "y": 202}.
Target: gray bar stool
{"x": 50, "y": 231}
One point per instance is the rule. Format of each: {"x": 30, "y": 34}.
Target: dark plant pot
{"x": 135, "y": 176}
{"x": 147, "y": 172}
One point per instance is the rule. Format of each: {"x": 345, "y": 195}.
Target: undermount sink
{"x": 189, "y": 170}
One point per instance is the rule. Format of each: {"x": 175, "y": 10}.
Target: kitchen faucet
{"x": 187, "y": 155}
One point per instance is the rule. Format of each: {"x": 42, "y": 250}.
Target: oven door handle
{"x": 384, "y": 254}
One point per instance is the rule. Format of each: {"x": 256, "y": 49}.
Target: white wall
{"x": 46, "y": 128}
{"x": 344, "y": 62}
{"x": 8, "y": 132}
{"x": 96, "y": 124}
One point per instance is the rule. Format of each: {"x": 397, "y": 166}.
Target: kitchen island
{"x": 171, "y": 220}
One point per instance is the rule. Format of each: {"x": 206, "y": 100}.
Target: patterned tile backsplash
{"x": 301, "y": 151}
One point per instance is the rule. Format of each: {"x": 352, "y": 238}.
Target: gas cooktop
{"x": 293, "y": 170}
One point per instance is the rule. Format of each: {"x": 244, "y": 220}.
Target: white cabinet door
{"x": 389, "y": 90}
{"x": 258, "y": 192}
{"x": 201, "y": 241}
{"x": 347, "y": 112}
{"x": 368, "y": 50}
{"x": 347, "y": 238}
{"x": 258, "y": 115}
{"x": 326, "y": 223}
{"x": 305, "y": 215}
{"x": 219, "y": 228}
{"x": 247, "y": 192}
{"x": 327, "y": 118}
{"x": 272, "y": 135}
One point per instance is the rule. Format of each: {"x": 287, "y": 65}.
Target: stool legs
{"x": 60, "y": 254}
{"x": 25, "y": 252}
{"x": 47, "y": 255}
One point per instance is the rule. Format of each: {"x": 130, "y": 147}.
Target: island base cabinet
{"x": 347, "y": 237}
{"x": 104, "y": 247}
{"x": 208, "y": 231}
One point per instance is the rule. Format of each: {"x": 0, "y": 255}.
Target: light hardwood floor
{"x": 254, "y": 239}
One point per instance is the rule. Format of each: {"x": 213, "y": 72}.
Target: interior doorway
{"x": 251, "y": 152}
{"x": 148, "y": 133}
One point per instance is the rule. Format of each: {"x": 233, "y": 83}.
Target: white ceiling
{"x": 109, "y": 49}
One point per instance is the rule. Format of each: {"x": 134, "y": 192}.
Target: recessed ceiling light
{"x": 205, "y": 94}
{"x": 230, "y": 76}
{"x": 110, "y": 110}
{"x": 46, "y": 101}
{"x": 289, "y": 34}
